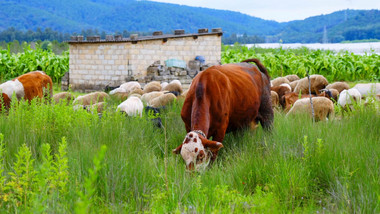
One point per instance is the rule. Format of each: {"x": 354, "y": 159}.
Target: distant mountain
{"x": 70, "y": 16}
{"x": 118, "y": 15}
{"x": 337, "y": 26}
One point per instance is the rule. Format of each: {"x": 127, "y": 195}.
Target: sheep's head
{"x": 197, "y": 151}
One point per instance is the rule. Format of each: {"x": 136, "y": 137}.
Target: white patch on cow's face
{"x": 194, "y": 153}
{"x": 11, "y": 87}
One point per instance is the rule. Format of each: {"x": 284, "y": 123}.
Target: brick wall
{"x": 95, "y": 65}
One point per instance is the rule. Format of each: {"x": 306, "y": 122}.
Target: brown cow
{"x": 223, "y": 98}
{"x": 28, "y": 86}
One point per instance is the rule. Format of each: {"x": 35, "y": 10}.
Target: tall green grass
{"x": 117, "y": 164}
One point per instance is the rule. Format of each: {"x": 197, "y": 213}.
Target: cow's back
{"x": 36, "y": 84}
{"x": 232, "y": 94}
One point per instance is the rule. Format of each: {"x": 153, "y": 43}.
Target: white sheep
{"x": 346, "y": 97}
{"x": 323, "y": 107}
{"x": 133, "y": 106}
{"x": 118, "y": 90}
{"x": 130, "y": 86}
{"x": 368, "y": 89}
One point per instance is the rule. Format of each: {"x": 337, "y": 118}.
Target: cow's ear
{"x": 214, "y": 146}
{"x": 177, "y": 150}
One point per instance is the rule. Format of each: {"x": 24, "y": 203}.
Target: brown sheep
{"x": 292, "y": 77}
{"x": 92, "y": 98}
{"x": 99, "y": 107}
{"x": 65, "y": 97}
{"x": 317, "y": 82}
{"x": 173, "y": 86}
{"x": 152, "y": 86}
{"x": 278, "y": 81}
{"x": 323, "y": 107}
{"x": 339, "y": 86}
{"x": 146, "y": 98}
{"x": 274, "y": 98}
{"x": 162, "y": 100}
{"x": 290, "y": 98}
{"x": 137, "y": 91}
{"x": 120, "y": 95}
{"x": 293, "y": 84}
{"x": 282, "y": 89}
{"x": 183, "y": 95}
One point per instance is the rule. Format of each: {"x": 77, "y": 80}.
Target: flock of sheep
{"x": 289, "y": 93}
{"x": 292, "y": 94}
{"x": 132, "y": 95}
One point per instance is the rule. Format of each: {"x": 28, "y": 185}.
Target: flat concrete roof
{"x": 92, "y": 39}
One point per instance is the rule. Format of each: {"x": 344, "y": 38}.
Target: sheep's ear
{"x": 177, "y": 150}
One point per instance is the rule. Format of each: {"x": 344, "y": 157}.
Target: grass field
{"x": 56, "y": 160}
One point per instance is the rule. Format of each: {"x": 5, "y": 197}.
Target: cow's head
{"x": 197, "y": 151}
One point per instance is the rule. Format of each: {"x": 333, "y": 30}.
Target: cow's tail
{"x": 259, "y": 65}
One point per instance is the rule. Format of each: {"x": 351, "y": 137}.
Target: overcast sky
{"x": 281, "y": 10}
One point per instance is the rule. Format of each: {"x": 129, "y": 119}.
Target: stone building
{"x": 95, "y": 63}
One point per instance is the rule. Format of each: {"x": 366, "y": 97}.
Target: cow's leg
{"x": 265, "y": 115}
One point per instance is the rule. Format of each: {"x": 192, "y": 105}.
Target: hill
{"x": 111, "y": 16}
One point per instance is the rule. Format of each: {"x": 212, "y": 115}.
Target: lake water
{"x": 357, "y": 48}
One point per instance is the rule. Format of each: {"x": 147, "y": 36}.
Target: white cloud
{"x": 280, "y": 10}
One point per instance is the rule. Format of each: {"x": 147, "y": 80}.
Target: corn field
{"x": 342, "y": 66}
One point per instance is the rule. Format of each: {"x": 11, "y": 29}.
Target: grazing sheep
{"x": 91, "y": 98}
{"x": 368, "y": 89}
{"x": 323, "y": 107}
{"x": 137, "y": 91}
{"x": 293, "y": 84}
{"x": 118, "y": 90}
{"x": 289, "y": 99}
{"x": 152, "y": 86}
{"x": 183, "y": 95}
{"x": 162, "y": 100}
{"x": 278, "y": 81}
{"x": 317, "y": 82}
{"x": 346, "y": 97}
{"x": 282, "y": 89}
{"x": 173, "y": 86}
{"x": 99, "y": 107}
{"x": 120, "y": 95}
{"x": 176, "y": 93}
{"x": 333, "y": 93}
{"x": 65, "y": 97}
{"x": 292, "y": 77}
{"x": 176, "y": 82}
{"x": 135, "y": 95}
{"x": 339, "y": 86}
{"x": 146, "y": 98}
{"x": 163, "y": 85}
{"x": 274, "y": 98}
{"x": 130, "y": 86}
{"x": 133, "y": 106}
